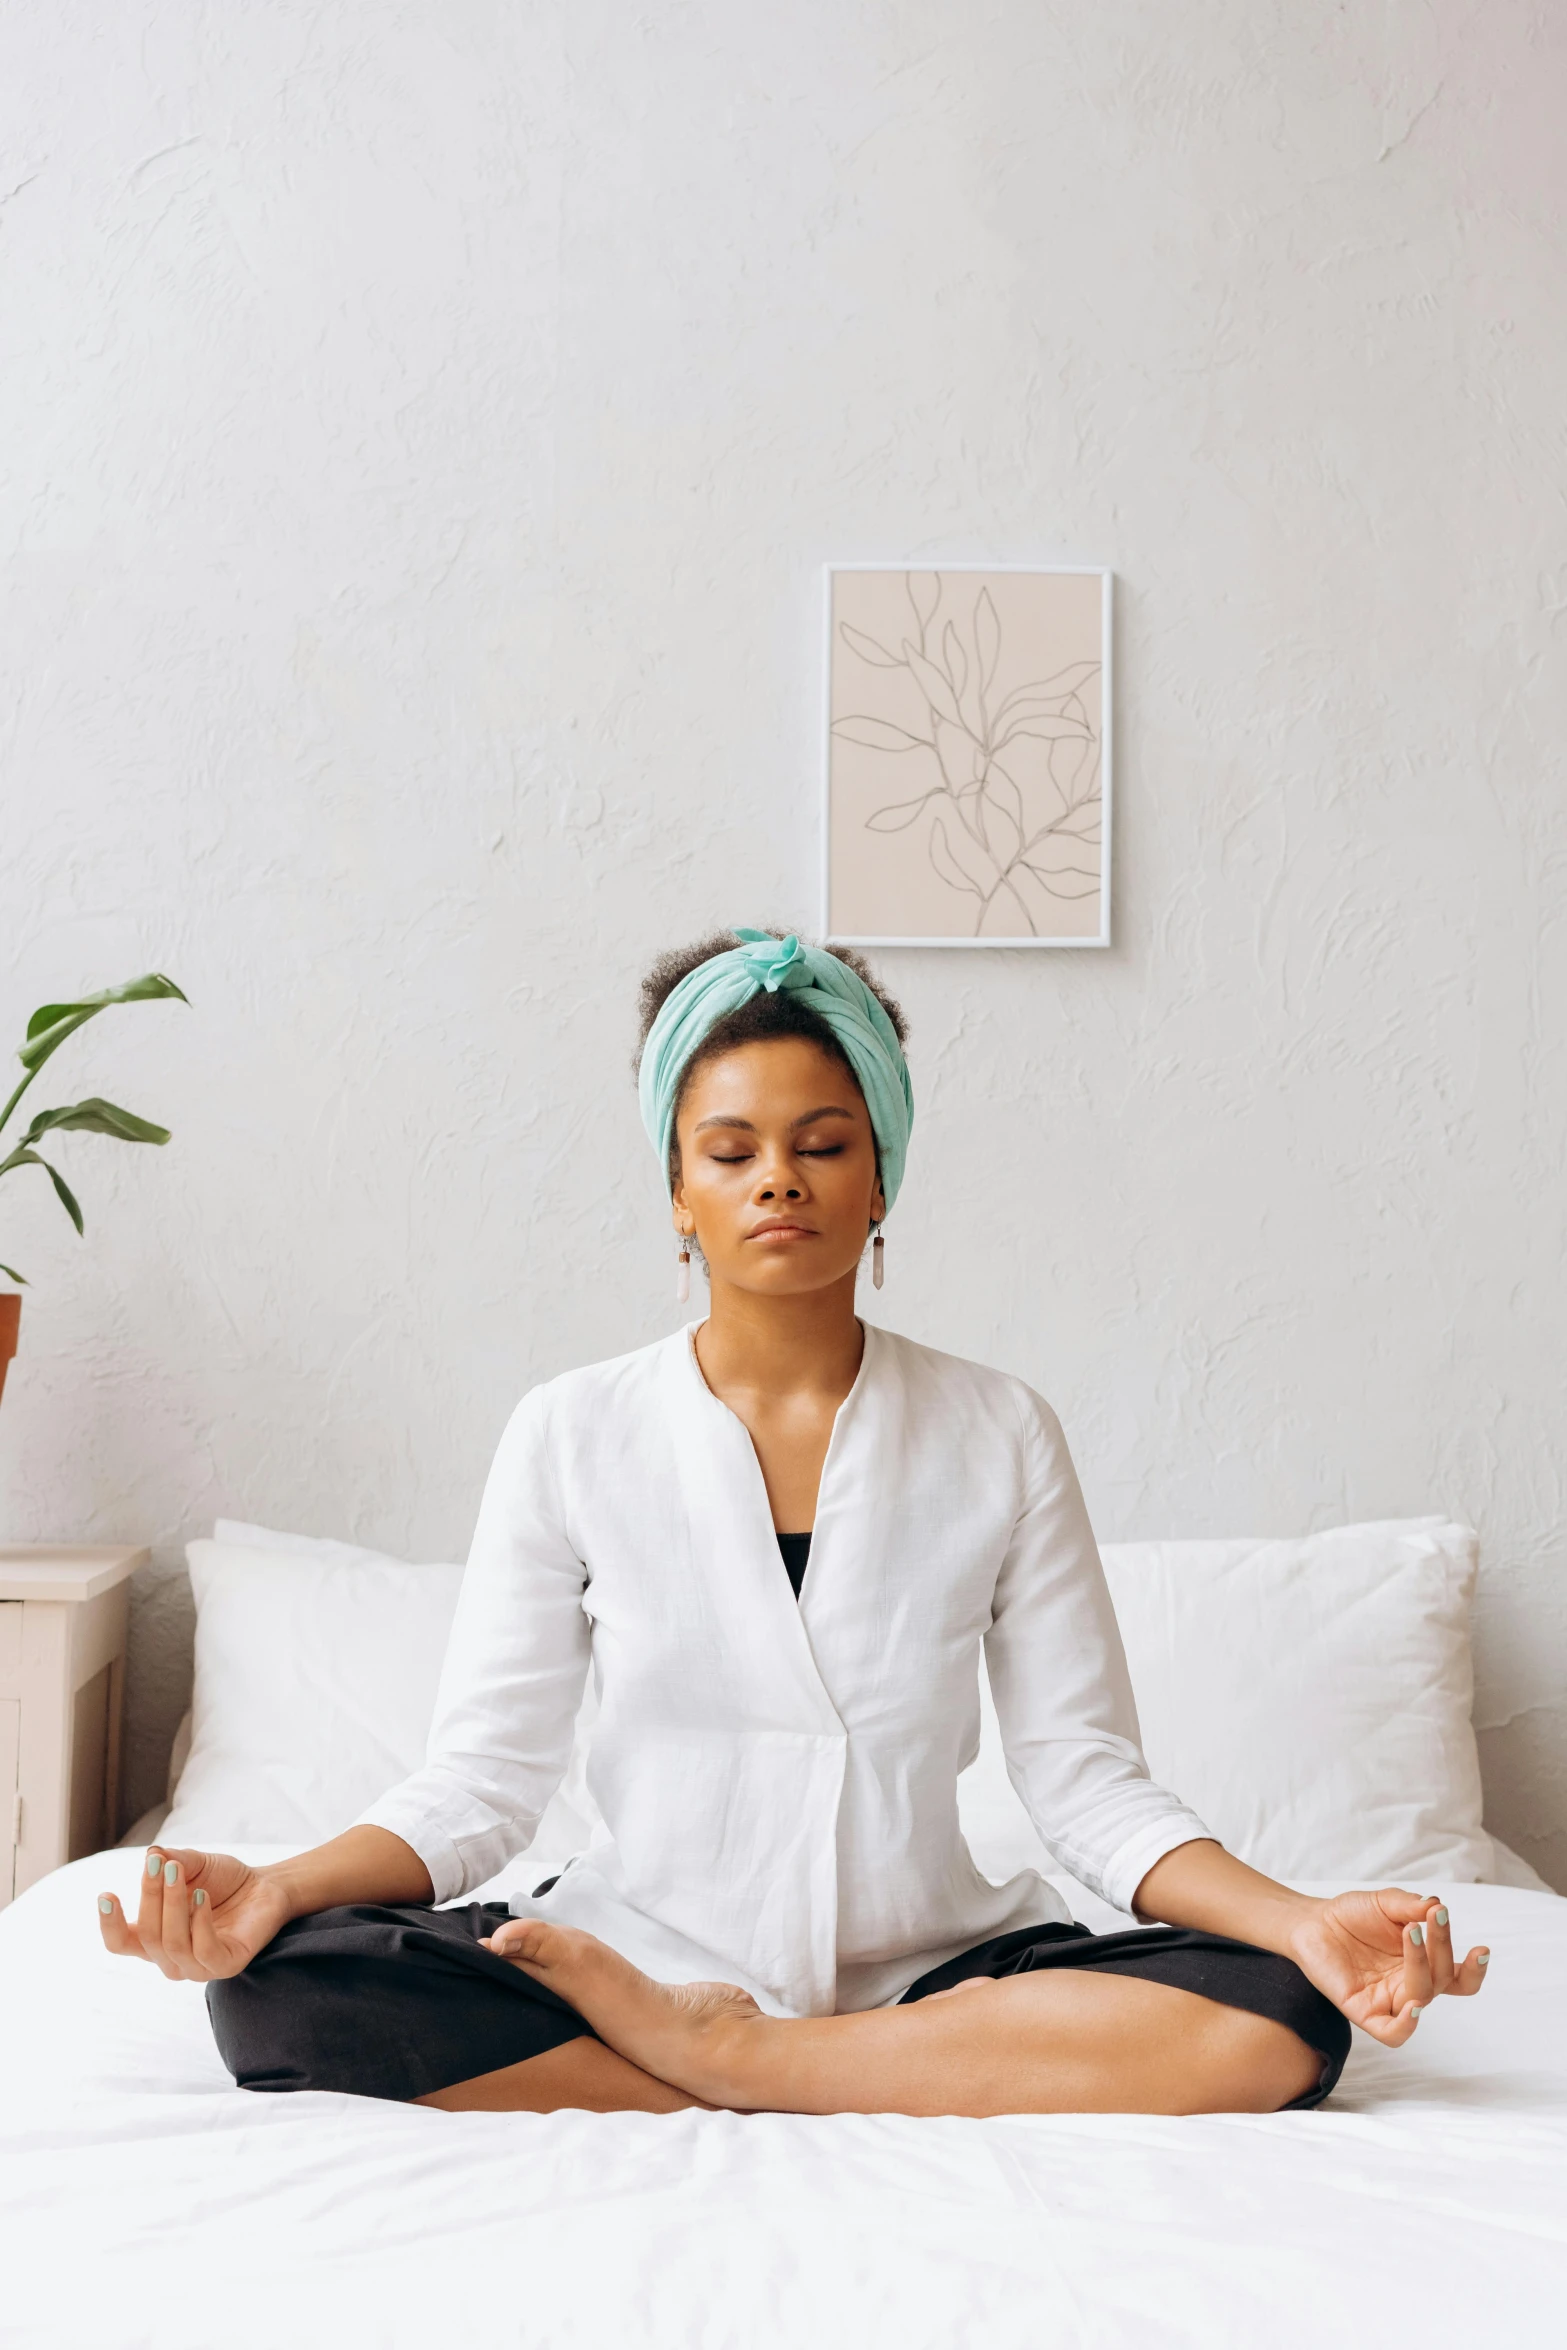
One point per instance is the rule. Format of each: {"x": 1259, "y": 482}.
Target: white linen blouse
{"x": 777, "y": 1779}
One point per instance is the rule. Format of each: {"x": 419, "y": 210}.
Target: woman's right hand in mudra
{"x": 202, "y": 1916}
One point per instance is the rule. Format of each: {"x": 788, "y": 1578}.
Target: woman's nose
{"x": 773, "y": 1186}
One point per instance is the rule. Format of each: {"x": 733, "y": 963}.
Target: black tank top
{"x": 796, "y": 1550}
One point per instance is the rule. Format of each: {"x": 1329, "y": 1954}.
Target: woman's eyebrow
{"x": 828, "y": 1110}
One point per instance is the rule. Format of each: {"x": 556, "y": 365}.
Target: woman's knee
{"x": 1253, "y": 2065}
{"x": 1159, "y": 2049}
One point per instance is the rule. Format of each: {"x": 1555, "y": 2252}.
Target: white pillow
{"x": 316, "y": 1671}
{"x": 234, "y": 1530}
{"x": 1309, "y": 1699}
{"x": 315, "y": 1546}
{"x": 315, "y": 1680}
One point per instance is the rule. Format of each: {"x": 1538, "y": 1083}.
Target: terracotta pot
{"x": 10, "y": 1317}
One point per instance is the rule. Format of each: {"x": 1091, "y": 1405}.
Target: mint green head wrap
{"x": 838, "y": 996}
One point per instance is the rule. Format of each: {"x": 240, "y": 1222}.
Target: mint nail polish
{"x": 106, "y": 1905}
{"x": 154, "y": 1864}
{"x": 1440, "y": 1919}
{"x": 1417, "y": 1934}
{"x": 170, "y": 1871}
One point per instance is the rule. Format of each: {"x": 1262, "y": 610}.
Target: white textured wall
{"x": 421, "y": 425}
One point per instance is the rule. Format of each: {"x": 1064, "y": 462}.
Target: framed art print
{"x": 968, "y": 757}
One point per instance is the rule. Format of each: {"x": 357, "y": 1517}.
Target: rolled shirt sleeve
{"x": 512, "y": 1681}
{"x": 1062, "y": 1691}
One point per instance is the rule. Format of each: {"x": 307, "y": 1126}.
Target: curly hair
{"x": 782, "y": 1014}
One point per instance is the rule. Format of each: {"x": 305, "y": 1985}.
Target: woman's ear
{"x": 878, "y": 1204}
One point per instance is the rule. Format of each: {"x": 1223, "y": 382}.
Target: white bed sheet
{"x": 145, "y": 2201}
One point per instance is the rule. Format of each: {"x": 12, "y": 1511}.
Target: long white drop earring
{"x": 683, "y": 1271}
{"x": 878, "y": 1252}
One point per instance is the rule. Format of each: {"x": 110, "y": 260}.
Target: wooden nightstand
{"x": 62, "y": 1669}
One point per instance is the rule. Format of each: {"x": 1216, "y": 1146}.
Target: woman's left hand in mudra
{"x": 1383, "y": 1957}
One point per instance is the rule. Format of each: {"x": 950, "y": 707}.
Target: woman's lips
{"x": 782, "y": 1231}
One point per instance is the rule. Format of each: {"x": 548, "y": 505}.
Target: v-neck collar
{"x": 869, "y": 1336}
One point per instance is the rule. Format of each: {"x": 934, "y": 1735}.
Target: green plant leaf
{"x": 12, "y": 1274}
{"x": 51, "y": 1024}
{"x": 95, "y": 1116}
{"x": 23, "y": 1157}
{"x": 64, "y": 1193}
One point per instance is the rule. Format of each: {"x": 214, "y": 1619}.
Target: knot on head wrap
{"x": 838, "y": 996}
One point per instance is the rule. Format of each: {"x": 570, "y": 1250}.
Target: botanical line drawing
{"x": 1009, "y": 797}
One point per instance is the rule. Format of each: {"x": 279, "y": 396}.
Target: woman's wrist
{"x": 289, "y": 1885}
{"x": 1202, "y": 1886}
{"x": 363, "y": 1864}
{"x": 1280, "y": 1923}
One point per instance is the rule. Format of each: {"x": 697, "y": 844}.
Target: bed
{"x": 147, "y": 2201}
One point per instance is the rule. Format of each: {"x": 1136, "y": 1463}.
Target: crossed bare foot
{"x": 689, "y": 2034}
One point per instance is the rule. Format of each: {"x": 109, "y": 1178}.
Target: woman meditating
{"x": 779, "y": 1540}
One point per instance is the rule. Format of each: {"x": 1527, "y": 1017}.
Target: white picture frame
{"x": 1064, "y": 893}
